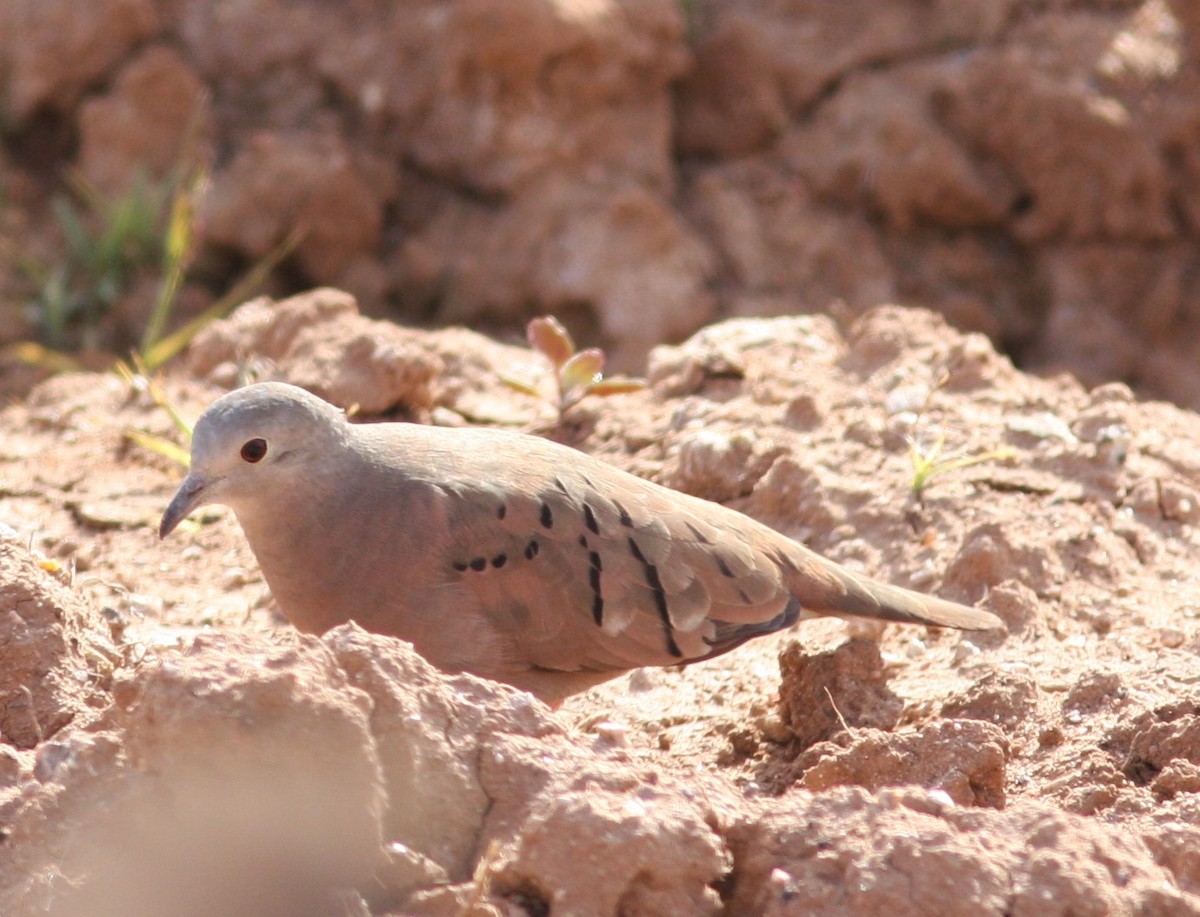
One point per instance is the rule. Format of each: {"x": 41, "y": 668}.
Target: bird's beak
{"x": 192, "y": 493}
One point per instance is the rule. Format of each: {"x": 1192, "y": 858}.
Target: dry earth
{"x": 171, "y": 746}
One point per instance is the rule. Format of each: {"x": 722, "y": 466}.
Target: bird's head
{"x": 255, "y": 446}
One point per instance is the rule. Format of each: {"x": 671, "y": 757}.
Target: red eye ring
{"x": 254, "y": 450}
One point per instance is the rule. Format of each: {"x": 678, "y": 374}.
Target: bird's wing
{"x": 587, "y": 568}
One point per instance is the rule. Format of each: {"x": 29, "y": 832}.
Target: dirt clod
{"x": 825, "y": 694}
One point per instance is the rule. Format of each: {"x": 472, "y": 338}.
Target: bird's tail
{"x": 839, "y": 592}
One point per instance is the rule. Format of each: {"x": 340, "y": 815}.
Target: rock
{"x": 824, "y": 694}
{"x": 319, "y": 340}
{"x": 157, "y": 106}
{"x": 624, "y": 252}
{"x": 217, "y": 772}
{"x": 229, "y": 763}
{"x": 852, "y": 852}
{"x": 309, "y": 183}
{"x": 963, "y": 758}
{"x": 55, "y": 50}
{"x": 56, "y": 652}
{"x": 648, "y": 840}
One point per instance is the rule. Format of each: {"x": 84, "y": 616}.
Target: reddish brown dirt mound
{"x": 1030, "y": 170}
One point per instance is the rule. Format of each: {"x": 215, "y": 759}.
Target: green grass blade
{"x": 528, "y": 388}
{"x": 167, "y": 347}
{"x": 32, "y": 353}
{"x": 175, "y": 251}
{"x": 156, "y": 444}
{"x": 73, "y": 229}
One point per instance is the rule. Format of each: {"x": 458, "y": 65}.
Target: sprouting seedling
{"x": 929, "y": 463}
{"x": 577, "y": 373}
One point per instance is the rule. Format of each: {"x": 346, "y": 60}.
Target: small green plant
{"x": 139, "y": 379}
{"x": 110, "y": 244}
{"x": 176, "y": 250}
{"x": 157, "y": 349}
{"x": 929, "y": 463}
{"x": 138, "y": 371}
{"x": 577, "y": 373}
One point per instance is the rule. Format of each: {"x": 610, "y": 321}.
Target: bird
{"x": 504, "y": 554}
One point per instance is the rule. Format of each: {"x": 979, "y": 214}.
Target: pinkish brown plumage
{"x": 503, "y": 554}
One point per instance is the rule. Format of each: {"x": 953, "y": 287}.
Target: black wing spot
{"x": 478, "y": 563}
{"x": 636, "y": 551}
{"x": 622, "y": 516}
{"x": 502, "y": 511}
{"x": 531, "y": 549}
{"x": 583, "y": 542}
{"x": 697, "y": 534}
{"x": 547, "y": 516}
{"x": 742, "y": 595}
{"x": 459, "y": 566}
{"x": 723, "y": 566}
{"x": 660, "y": 598}
{"x": 589, "y": 519}
{"x": 499, "y": 560}
{"x": 594, "y": 580}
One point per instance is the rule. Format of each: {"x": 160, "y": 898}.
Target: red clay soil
{"x": 171, "y": 745}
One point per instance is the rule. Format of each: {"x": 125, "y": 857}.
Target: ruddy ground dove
{"x": 504, "y": 554}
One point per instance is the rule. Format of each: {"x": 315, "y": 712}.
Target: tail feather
{"x": 845, "y": 593}
{"x": 728, "y": 635}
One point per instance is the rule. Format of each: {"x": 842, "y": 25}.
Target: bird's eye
{"x": 254, "y": 450}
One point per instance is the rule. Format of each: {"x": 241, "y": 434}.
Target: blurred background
{"x": 638, "y": 168}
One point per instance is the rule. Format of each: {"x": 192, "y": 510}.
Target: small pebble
{"x": 644, "y": 680}
{"x": 965, "y": 650}
{"x": 442, "y": 416}
{"x": 783, "y": 883}
{"x": 942, "y": 798}
{"x": 1112, "y": 444}
{"x": 636, "y": 808}
{"x": 924, "y": 575}
{"x": 521, "y": 702}
{"x": 143, "y": 605}
{"x": 1042, "y": 426}
{"x": 774, "y": 729}
{"x": 1171, "y": 637}
{"x": 234, "y": 577}
{"x": 907, "y": 398}
{"x": 612, "y": 731}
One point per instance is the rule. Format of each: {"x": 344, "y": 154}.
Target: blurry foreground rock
{"x": 56, "y": 654}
